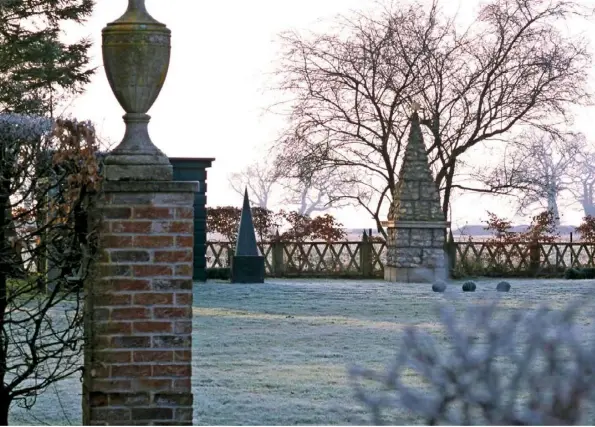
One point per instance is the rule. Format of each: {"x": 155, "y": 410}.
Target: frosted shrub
{"x": 497, "y": 368}
{"x": 49, "y": 183}
{"x": 17, "y": 127}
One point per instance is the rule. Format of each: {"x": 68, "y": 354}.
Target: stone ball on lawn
{"x": 503, "y": 287}
{"x": 439, "y": 286}
{"x": 469, "y": 287}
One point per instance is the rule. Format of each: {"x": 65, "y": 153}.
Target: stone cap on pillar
{"x": 415, "y": 224}
{"x": 192, "y": 162}
{"x": 150, "y": 186}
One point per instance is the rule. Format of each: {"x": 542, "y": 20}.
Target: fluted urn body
{"x": 136, "y": 54}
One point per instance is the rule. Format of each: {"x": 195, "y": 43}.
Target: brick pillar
{"x": 139, "y": 307}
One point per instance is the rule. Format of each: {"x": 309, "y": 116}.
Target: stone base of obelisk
{"x": 414, "y": 274}
{"x": 415, "y": 252}
{"x": 247, "y": 269}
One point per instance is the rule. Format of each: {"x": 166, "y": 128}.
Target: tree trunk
{"x": 447, "y": 190}
{"x": 589, "y": 209}
{"x": 4, "y": 203}
{"x": 4, "y": 407}
{"x": 552, "y": 206}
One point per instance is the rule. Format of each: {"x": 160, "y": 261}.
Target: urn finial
{"x": 137, "y": 5}
{"x": 136, "y": 53}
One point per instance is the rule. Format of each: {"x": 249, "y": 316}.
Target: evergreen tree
{"x": 37, "y": 69}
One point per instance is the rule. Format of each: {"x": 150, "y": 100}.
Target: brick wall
{"x": 139, "y": 310}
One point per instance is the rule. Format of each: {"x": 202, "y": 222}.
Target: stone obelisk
{"x": 247, "y": 265}
{"x": 416, "y": 225}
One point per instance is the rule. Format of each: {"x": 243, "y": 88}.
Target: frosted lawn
{"x": 278, "y": 353}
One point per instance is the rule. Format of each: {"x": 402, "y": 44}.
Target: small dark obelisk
{"x": 247, "y": 265}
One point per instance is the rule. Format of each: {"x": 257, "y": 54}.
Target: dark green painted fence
{"x": 195, "y": 169}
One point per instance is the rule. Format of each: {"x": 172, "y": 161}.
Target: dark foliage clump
{"x": 218, "y": 273}
{"x": 575, "y": 274}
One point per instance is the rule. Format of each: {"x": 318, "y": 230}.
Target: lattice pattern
{"x": 566, "y": 255}
{"x": 218, "y": 254}
{"x": 378, "y": 257}
{"x": 522, "y": 258}
{"x": 332, "y": 259}
{"x": 314, "y": 258}
{"x": 308, "y": 258}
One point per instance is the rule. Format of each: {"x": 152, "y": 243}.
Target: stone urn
{"x": 136, "y": 53}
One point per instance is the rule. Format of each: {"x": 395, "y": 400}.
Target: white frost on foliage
{"x": 22, "y": 127}
{"x": 500, "y": 368}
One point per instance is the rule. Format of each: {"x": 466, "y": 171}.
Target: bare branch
{"x": 349, "y": 91}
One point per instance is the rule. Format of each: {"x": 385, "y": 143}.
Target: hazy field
{"x": 278, "y": 353}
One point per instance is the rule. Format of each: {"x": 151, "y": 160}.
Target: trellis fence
{"x": 367, "y": 258}
{"x": 314, "y": 259}
{"x": 519, "y": 259}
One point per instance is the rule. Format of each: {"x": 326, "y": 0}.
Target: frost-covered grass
{"x": 278, "y": 353}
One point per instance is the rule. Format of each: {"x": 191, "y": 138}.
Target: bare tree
{"x": 583, "y": 176}
{"x": 264, "y": 180}
{"x": 538, "y": 167}
{"x": 317, "y": 192}
{"x": 48, "y": 180}
{"x": 260, "y": 178}
{"x": 348, "y": 92}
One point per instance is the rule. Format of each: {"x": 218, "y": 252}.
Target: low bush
{"x": 219, "y": 273}
{"x": 575, "y": 274}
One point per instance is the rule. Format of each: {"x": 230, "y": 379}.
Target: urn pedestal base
{"x": 137, "y": 158}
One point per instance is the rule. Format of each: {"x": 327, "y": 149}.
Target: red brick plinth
{"x": 138, "y": 361}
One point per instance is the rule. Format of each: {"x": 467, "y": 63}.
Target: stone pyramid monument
{"x": 416, "y": 225}
{"x": 247, "y": 264}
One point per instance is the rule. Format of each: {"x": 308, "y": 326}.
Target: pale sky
{"x": 213, "y": 99}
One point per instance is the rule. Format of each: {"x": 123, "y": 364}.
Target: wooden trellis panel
{"x": 308, "y": 258}
{"x": 218, "y": 254}
{"x": 378, "y": 258}
{"x": 522, "y": 258}
{"x": 320, "y": 258}
{"x": 336, "y": 259}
